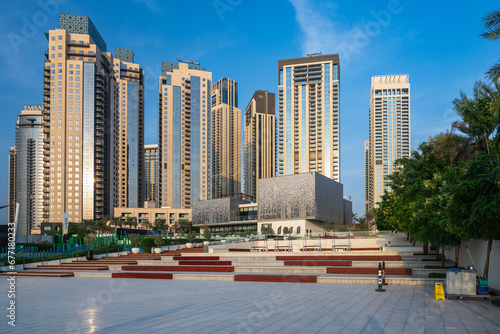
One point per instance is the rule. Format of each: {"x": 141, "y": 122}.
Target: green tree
{"x": 474, "y": 212}
{"x": 89, "y": 224}
{"x": 479, "y": 115}
{"x": 286, "y": 230}
{"x": 225, "y": 233}
{"x": 328, "y": 226}
{"x": 491, "y": 24}
{"x": 117, "y": 222}
{"x": 147, "y": 225}
{"x": 206, "y": 232}
{"x": 185, "y": 226}
{"x": 232, "y": 231}
{"x": 160, "y": 225}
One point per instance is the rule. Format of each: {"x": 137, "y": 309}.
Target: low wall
{"x": 478, "y": 252}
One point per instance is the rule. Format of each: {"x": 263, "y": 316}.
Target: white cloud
{"x": 321, "y": 33}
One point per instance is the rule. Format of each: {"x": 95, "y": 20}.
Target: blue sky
{"x": 436, "y": 43}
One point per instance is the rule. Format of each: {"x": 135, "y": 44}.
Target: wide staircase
{"x": 402, "y": 266}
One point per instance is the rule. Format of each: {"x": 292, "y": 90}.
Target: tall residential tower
{"x": 184, "y": 147}
{"x": 309, "y": 116}
{"x": 130, "y": 79}
{"x": 260, "y": 140}
{"x": 389, "y": 131}
{"x": 81, "y": 101}
{"x": 29, "y": 172}
{"x": 151, "y": 173}
{"x": 226, "y": 138}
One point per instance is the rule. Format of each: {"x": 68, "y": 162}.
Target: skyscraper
{"x": 12, "y": 184}
{"x": 29, "y": 172}
{"x": 151, "y": 173}
{"x": 184, "y": 147}
{"x": 309, "y": 115}
{"x": 260, "y": 140}
{"x": 225, "y": 138}
{"x": 81, "y": 100}
{"x": 389, "y": 130}
{"x": 130, "y": 79}
{"x": 367, "y": 174}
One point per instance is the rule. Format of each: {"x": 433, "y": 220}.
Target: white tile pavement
{"x": 99, "y": 305}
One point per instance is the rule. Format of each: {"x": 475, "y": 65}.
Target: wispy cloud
{"x": 325, "y": 32}
{"x": 321, "y": 33}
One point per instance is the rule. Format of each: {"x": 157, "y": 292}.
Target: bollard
{"x": 379, "y": 280}
{"x": 23, "y": 263}
{"x": 383, "y": 273}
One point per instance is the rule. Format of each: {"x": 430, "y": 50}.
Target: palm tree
{"x": 491, "y": 23}
{"x": 479, "y": 114}
{"x": 117, "y": 221}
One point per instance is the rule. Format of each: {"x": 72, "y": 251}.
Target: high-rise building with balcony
{"x": 225, "y": 138}
{"x": 29, "y": 172}
{"x": 389, "y": 131}
{"x": 260, "y": 140}
{"x": 81, "y": 123}
{"x": 151, "y": 173}
{"x": 367, "y": 174}
{"x": 184, "y": 147}
{"x": 12, "y": 184}
{"x": 309, "y": 115}
{"x": 130, "y": 79}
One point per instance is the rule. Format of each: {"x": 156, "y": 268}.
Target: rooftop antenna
{"x": 188, "y": 62}
{"x": 314, "y": 54}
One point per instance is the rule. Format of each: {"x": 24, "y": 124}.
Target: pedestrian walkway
{"x": 99, "y": 305}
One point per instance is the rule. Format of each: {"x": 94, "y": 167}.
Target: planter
{"x": 136, "y": 250}
{"x": 157, "y": 250}
{"x": 206, "y": 243}
{"x": 223, "y": 241}
{"x": 90, "y": 255}
{"x": 189, "y": 245}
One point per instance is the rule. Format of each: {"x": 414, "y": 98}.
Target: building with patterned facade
{"x": 389, "y": 131}
{"x": 260, "y": 140}
{"x": 225, "y": 138}
{"x": 151, "y": 173}
{"x": 29, "y": 171}
{"x": 184, "y": 146}
{"x": 130, "y": 79}
{"x": 300, "y": 202}
{"x": 309, "y": 115}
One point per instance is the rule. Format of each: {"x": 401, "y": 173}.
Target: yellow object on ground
{"x": 438, "y": 291}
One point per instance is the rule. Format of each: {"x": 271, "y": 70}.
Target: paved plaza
{"x": 99, "y": 305}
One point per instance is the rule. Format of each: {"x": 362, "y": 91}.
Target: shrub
{"x": 225, "y": 233}
{"x": 90, "y": 239}
{"x": 206, "y": 233}
{"x": 285, "y": 230}
{"x": 191, "y": 236}
{"x": 159, "y": 241}
{"x": 134, "y": 239}
{"x": 147, "y": 243}
{"x": 496, "y": 302}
